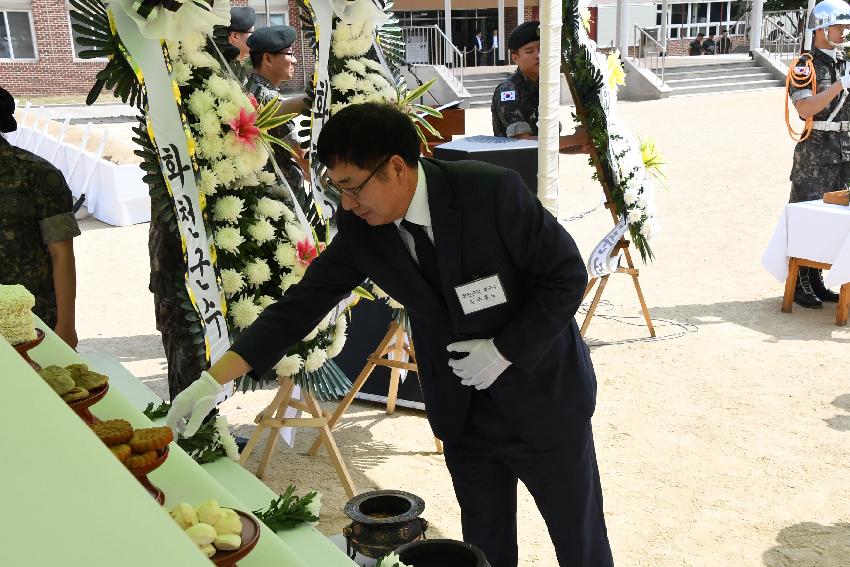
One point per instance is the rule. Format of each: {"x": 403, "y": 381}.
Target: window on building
{"x": 74, "y": 36}
{"x": 279, "y": 19}
{"x": 17, "y": 40}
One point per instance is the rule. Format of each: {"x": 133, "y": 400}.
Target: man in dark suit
{"x": 491, "y": 282}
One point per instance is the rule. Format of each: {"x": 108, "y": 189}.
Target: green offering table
{"x": 63, "y": 466}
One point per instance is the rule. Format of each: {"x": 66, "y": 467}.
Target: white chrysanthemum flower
{"x": 224, "y": 171}
{"x": 225, "y": 438}
{"x": 201, "y": 102}
{"x": 218, "y": 87}
{"x": 376, "y": 97}
{"x": 357, "y": 99}
{"x": 288, "y": 215}
{"x": 294, "y": 232}
{"x": 288, "y": 365}
{"x": 288, "y": 281}
{"x": 228, "y": 209}
{"x": 258, "y": 272}
{"x": 341, "y": 325}
{"x": 315, "y": 506}
{"x": 266, "y": 177}
{"x": 344, "y": 82}
{"x": 372, "y": 64}
{"x": 228, "y": 110}
{"x": 379, "y": 81}
{"x": 336, "y": 345}
{"x": 379, "y": 293}
{"x": 232, "y": 146}
{"x": 182, "y": 73}
{"x": 244, "y": 312}
{"x": 365, "y": 86}
{"x": 194, "y": 41}
{"x": 337, "y": 106}
{"x": 261, "y": 156}
{"x": 285, "y": 255}
{"x": 326, "y": 322}
{"x": 630, "y": 196}
{"x": 634, "y": 216}
{"x": 250, "y": 180}
{"x": 261, "y": 231}
{"x": 209, "y": 125}
{"x": 229, "y": 239}
{"x": 265, "y": 300}
{"x": 356, "y": 66}
{"x": 299, "y": 269}
{"x": 269, "y": 208}
{"x": 202, "y": 59}
{"x": 393, "y": 304}
{"x": 212, "y": 146}
{"x": 311, "y": 335}
{"x": 207, "y": 182}
{"x": 232, "y": 281}
{"x": 315, "y": 360}
{"x": 389, "y": 94}
{"x": 650, "y": 229}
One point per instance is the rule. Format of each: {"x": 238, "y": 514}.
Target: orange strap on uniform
{"x": 801, "y": 74}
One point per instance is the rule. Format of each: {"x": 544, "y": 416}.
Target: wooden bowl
{"x": 141, "y": 474}
{"x": 250, "y": 537}
{"x": 81, "y": 407}
{"x": 29, "y": 345}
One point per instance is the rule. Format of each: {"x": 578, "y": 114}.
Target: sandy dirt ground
{"x": 725, "y": 445}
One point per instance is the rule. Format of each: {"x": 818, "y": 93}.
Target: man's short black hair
{"x": 256, "y": 58}
{"x": 364, "y": 134}
{"x": 700, "y": 34}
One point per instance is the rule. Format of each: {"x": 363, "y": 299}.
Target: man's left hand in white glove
{"x": 481, "y": 366}
{"x": 196, "y": 401}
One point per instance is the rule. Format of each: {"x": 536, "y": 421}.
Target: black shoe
{"x": 241, "y": 442}
{"x": 816, "y": 278}
{"x": 804, "y": 296}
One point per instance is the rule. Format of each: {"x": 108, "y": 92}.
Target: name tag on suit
{"x": 481, "y": 294}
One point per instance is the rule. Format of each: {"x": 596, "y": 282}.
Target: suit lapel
{"x": 446, "y": 224}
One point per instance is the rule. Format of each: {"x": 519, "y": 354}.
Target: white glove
{"x": 481, "y": 366}
{"x": 196, "y": 401}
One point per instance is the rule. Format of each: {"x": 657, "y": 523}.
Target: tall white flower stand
{"x": 274, "y": 419}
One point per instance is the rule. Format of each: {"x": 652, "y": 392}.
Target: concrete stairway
{"x": 723, "y": 76}
{"x": 482, "y": 85}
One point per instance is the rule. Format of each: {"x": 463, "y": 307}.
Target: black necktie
{"x": 426, "y": 254}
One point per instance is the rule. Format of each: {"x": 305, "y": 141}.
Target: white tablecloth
{"x": 814, "y": 231}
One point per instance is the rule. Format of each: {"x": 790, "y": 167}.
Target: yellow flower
{"x": 616, "y": 76}
{"x": 652, "y": 159}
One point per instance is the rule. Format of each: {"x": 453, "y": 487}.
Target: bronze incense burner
{"x": 383, "y": 520}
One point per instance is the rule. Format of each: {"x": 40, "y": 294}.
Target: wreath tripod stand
{"x": 393, "y": 346}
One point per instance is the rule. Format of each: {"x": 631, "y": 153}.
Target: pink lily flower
{"x": 306, "y": 252}
{"x": 244, "y": 127}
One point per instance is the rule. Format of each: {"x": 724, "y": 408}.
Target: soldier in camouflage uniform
{"x": 37, "y": 227}
{"x": 821, "y": 161}
{"x": 274, "y": 63}
{"x": 515, "y": 101}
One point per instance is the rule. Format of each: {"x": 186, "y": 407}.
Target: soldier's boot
{"x": 804, "y": 295}
{"x": 816, "y": 279}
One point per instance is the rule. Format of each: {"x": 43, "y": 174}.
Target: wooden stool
{"x": 393, "y": 343}
{"x": 794, "y": 265}
{"x": 273, "y": 418}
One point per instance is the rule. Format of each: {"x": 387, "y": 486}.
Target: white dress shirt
{"x": 417, "y": 213}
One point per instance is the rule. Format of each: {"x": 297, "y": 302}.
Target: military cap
{"x": 524, "y": 33}
{"x": 242, "y": 19}
{"x": 7, "y": 112}
{"x": 271, "y": 39}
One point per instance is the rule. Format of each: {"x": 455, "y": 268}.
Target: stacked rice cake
{"x": 16, "y": 320}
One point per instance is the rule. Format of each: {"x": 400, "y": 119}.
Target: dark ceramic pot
{"x": 383, "y": 520}
{"x": 441, "y": 553}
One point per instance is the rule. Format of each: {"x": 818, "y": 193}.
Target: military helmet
{"x": 829, "y": 13}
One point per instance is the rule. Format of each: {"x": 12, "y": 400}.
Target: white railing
{"x": 782, "y": 33}
{"x": 649, "y": 53}
{"x": 428, "y": 45}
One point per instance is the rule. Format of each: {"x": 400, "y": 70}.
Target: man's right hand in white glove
{"x": 193, "y": 403}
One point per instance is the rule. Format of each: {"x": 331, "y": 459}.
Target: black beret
{"x": 271, "y": 39}
{"x": 242, "y": 19}
{"x": 526, "y": 32}
{"x": 7, "y": 112}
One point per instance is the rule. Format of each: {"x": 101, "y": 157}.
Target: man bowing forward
{"x": 492, "y": 283}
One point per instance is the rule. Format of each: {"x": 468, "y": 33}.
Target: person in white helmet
{"x": 820, "y": 79}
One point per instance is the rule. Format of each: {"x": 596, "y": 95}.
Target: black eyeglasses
{"x": 356, "y": 190}
{"x": 290, "y": 53}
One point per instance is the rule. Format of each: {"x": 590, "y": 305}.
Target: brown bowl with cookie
{"x": 80, "y": 387}
{"x": 141, "y": 450}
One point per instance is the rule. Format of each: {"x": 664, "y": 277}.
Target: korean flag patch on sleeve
{"x": 508, "y": 95}
{"x": 802, "y": 71}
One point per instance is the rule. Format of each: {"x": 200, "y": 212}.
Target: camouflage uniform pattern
{"x": 822, "y": 161}
{"x": 264, "y": 91}
{"x": 34, "y": 200}
{"x": 514, "y": 107}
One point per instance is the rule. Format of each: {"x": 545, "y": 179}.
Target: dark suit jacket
{"x": 485, "y": 222}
